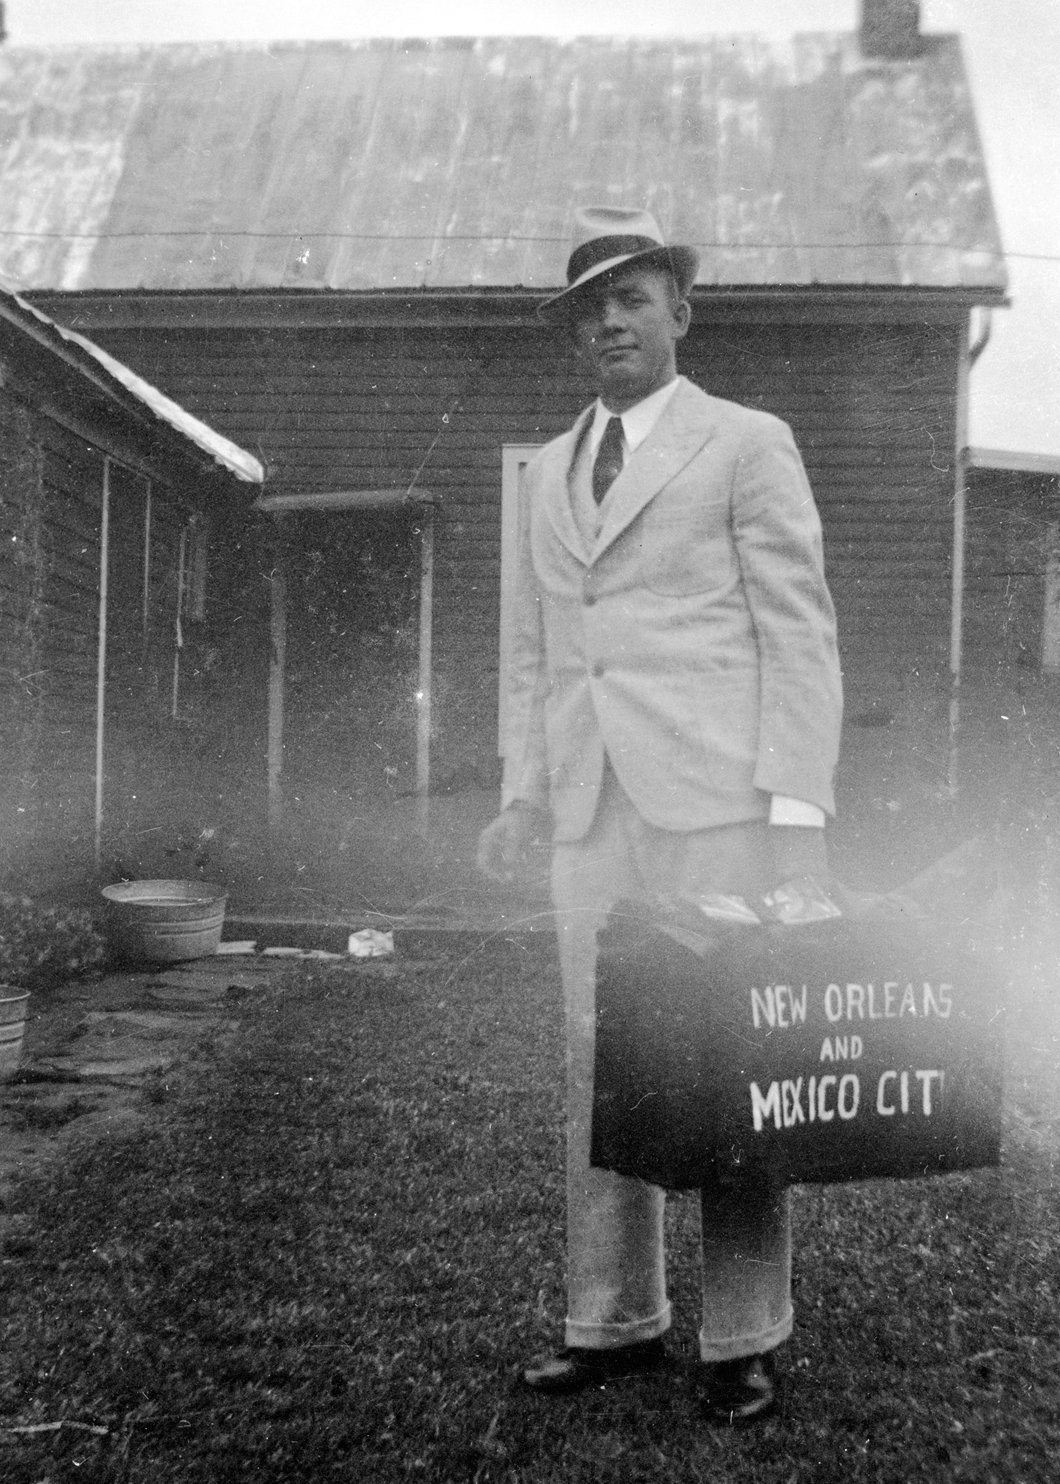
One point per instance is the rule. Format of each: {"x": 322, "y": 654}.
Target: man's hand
{"x": 803, "y": 891}
{"x": 503, "y": 844}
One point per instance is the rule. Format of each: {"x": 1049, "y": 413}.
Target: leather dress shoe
{"x": 574, "y": 1368}
{"x": 740, "y": 1390}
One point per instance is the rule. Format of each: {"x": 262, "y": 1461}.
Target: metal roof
{"x": 455, "y": 163}
{"x": 112, "y": 376}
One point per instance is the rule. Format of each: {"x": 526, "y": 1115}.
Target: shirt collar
{"x": 637, "y": 421}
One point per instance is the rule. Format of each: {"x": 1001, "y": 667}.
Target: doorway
{"x": 350, "y": 707}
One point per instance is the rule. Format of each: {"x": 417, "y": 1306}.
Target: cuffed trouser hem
{"x": 613, "y": 1336}
{"x": 713, "y": 1350}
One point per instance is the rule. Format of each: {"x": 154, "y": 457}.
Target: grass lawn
{"x": 328, "y": 1254}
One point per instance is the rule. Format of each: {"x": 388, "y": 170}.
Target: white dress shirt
{"x": 637, "y": 421}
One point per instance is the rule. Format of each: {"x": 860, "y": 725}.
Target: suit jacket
{"x": 694, "y": 643}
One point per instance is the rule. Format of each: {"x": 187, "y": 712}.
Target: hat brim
{"x": 683, "y": 262}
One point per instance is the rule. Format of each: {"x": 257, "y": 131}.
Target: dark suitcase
{"x": 839, "y": 1051}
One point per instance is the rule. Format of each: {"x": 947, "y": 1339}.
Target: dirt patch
{"x": 100, "y": 1055}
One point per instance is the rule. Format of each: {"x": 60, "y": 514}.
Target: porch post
{"x": 423, "y": 692}
{"x": 101, "y": 658}
{"x": 147, "y": 566}
{"x": 277, "y": 669}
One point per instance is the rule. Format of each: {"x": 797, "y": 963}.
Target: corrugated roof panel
{"x": 452, "y": 164}
{"x": 64, "y": 121}
{"x": 195, "y": 202}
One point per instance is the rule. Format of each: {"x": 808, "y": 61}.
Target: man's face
{"x": 626, "y": 325}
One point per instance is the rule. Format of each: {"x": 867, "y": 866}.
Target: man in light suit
{"x": 674, "y": 699}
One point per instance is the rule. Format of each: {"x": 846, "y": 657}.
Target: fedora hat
{"x": 609, "y": 237}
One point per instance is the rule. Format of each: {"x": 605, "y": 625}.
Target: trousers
{"x": 616, "y": 1276}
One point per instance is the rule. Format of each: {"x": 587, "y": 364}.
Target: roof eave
{"x": 94, "y": 310}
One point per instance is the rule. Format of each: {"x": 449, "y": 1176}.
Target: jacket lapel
{"x": 556, "y": 491}
{"x": 685, "y": 425}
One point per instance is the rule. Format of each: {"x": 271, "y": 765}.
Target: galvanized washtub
{"x": 164, "y": 921}
{"x": 14, "y": 1003}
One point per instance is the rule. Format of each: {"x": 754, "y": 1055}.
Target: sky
{"x": 1012, "y": 51}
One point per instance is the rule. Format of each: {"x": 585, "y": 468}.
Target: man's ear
{"x": 682, "y": 318}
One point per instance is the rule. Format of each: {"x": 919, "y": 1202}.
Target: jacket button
{"x": 589, "y": 599}
{"x": 597, "y": 670}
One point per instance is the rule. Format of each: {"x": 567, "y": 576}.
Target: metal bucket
{"x": 13, "y": 1006}
{"x": 164, "y": 921}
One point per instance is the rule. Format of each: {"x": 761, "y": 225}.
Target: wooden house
{"x": 334, "y": 251}
{"x": 107, "y": 494}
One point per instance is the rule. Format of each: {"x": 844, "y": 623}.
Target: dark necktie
{"x": 608, "y": 465}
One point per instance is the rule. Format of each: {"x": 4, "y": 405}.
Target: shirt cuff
{"x": 783, "y": 810}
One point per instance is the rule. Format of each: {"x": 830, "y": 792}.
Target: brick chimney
{"x": 890, "y": 29}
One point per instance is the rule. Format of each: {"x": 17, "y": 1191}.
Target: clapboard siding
{"x": 70, "y": 536}
{"x": 1012, "y": 521}
{"x": 51, "y": 506}
{"x": 50, "y": 585}
{"x": 872, "y": 410}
